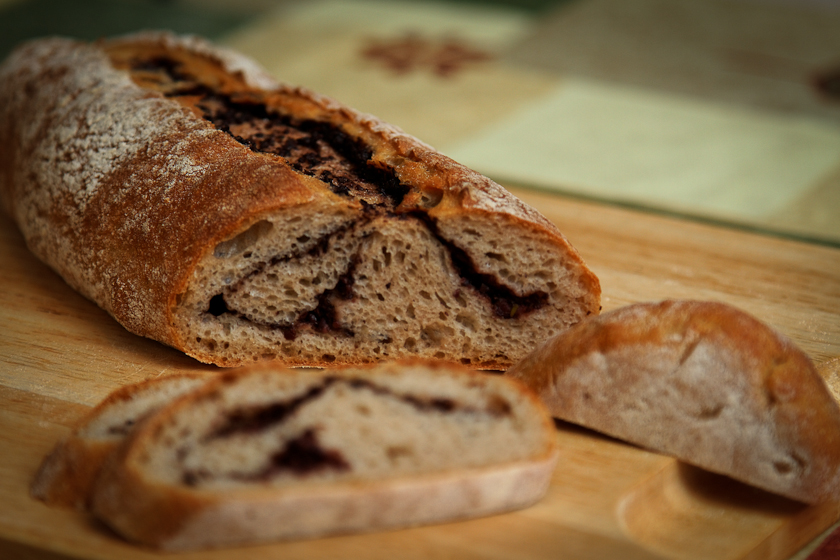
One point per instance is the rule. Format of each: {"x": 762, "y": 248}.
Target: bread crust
{"x": 124, "y": 191}
{"x": 702, "y": 381}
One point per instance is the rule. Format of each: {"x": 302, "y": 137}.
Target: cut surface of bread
{"x": 67, "y": 474}
{"x": 702, "y": 381}
{"x": 207, "y": 206}
{"x": 266, "y": 454}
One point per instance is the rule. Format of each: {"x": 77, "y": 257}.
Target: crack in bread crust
{"x": 315, "y": 148}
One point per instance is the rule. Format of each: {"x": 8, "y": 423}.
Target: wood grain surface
{"x": 60, "y": 354}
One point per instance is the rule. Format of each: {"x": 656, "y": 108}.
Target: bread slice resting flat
{"x": 238, "y": 219}
{"x": 702, "y": 381}
{"x": 262, "y": 454}
{"x": 67, "y": 475}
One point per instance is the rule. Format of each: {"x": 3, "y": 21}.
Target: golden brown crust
{"x": 701, "y": 381}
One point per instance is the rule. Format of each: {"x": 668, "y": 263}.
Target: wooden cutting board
{"x": 60, "y": 354}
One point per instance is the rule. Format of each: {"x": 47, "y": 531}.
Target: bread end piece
{"x": 703, "y": 382}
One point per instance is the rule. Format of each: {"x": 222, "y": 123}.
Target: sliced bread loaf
{"x": 211, "y": 208}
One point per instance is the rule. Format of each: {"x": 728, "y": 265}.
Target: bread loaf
{"x": 211, "y": 208}
{"x": 67, "y": 474}
{"x": 703, "y": 382}
{"x": 266, "y": 454}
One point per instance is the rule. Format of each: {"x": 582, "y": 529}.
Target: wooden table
{"x": 60, "y": 354}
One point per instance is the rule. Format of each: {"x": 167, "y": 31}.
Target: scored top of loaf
{"x": 390, "y": 140}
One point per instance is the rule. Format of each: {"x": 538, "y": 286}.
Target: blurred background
{"x": 725, "y": 111}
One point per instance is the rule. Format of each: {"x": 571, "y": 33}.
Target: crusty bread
{"x": 703, "y": 382}
{"x": 67, "y": 474}
{"x": 204, "y": 205}
{"x": 264, "y": 454}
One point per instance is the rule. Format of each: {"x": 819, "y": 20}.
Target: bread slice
{"x": 67, "y": 474}
{"x": 701, "y": 381}
{"x": 266, "y": 454}
{"x": 209, "y": 207}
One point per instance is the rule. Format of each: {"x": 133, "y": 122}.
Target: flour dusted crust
{"x": 264, "y": 454}
{"x": 68, "y": 473}
{"x": 701, "y": 381}
{"x": 209, "y": 207}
